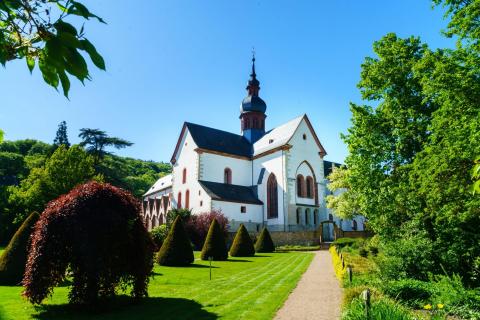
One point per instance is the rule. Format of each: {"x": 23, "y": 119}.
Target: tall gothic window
{"x": 184, "y": 175}
{"x": 227, "y": 176}
{"x": 300, "y": 185}
{"x": 179, "y": 200}
{"x": 309, "y": 187}
{"x": 187, "y": 199}
{"x": 355, "y": 225}
{"x": 272, "y": 197}
{"x": 298, "y": 215}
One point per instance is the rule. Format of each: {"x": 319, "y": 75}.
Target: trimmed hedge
{"x": 176, "y": 250}
{"x": 242, "y": 245}
{"x": 14, "y": 258}
{"x": 214, "y": 245}
{"x": 264, "y": 242}
{"x": 97, "y": 231}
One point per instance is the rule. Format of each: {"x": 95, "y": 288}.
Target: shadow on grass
{"x": 238, "y": 260}
{"x": 124, "y": 307}
{"x": 201, "y": 266}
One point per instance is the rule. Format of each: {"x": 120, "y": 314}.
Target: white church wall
{"x": 304, "y": 150}
{"x": 273, "y": 163}
{"x": 187, "y": 158}
{"x": 234, "y": 213}
{"x": 213, "y": 167}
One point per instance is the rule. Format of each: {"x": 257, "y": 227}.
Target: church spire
{"x": 252, "y": 109}
{"x": 253, "y": 86}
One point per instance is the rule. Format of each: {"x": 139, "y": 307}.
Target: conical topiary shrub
{"x": 14, "y": 258}
{"x": 242, "y": 245}
{"x": 214, "y": 245}
{"x": 176, "y": 250}
{"x": 264, "y": 242}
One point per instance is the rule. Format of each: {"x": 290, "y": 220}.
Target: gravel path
{"x": 318, "y": 294}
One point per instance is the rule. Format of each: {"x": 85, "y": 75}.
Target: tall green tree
{"x": 61, "y": 137}
{"x": 38, "y": 31}
{"x": 383, "y": 140}
{"x": 96, "y": 141}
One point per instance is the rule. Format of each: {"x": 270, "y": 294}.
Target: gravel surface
{"x": 318, "y": 294}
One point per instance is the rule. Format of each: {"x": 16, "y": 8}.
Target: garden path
{"x": 318, "y": 294}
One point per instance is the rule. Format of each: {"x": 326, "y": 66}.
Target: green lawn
{"x": 244, "y": 288}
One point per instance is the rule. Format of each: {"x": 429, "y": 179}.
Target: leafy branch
{"x": 36, "y": 30}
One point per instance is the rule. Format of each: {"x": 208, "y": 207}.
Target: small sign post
{"x": 350, "y": 273}
{"x": 366, "y": 299}
{"x": 210, "y": 260}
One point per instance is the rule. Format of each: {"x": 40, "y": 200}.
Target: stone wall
{"x": 280, "y": 238}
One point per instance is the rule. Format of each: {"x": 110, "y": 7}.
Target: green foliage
{"x": 37, "y": 31}
{"x": 1, "y": 135}
{"x": 65, "y": 169}
{"x": 14, "y": 258}
{"x": 176, "y": 249}
{"x": 363, "y": 252}
{"x": 11, "y": 164}
{"x": 22, "y": 158}
{"x": 349, "y": 242}
{"x": 264, "y": 242}
{"x": 242, "y": 245}
{"x": 476, "y": 177}
{"x": 412, "y": 292}
{"x": 464, "y": 19}
{"x": 411, "y": 156}
{"x": 345, "y": 203}
{"x": 159, "y": 234}
{"x": 411, "y": 255}
{"x": 172, "y": 215}
{"x": 288, "y": 248}
{"x": 381, "y": 309}
{"x": 214, "y": 245}
{"x": 61, "y": 136}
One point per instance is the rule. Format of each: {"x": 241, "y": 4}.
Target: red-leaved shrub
{"x": 97, "y": 232}
{"x": 198, "y": 224}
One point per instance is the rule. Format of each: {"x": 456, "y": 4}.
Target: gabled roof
{"x": 161, "y": 184}
{"x": 215, "y": 140}
{"x": 281, "y": 136}
{"x": 276, "y": 137}
{"x": 230, "y": 192}
{"x": 227, "y": 143}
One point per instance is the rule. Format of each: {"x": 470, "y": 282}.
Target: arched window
{"x": 179, "y": 201}
{"x": 184, "y": 175}
{"x": 309, "y": 187}
{"x": 187, "y": 199}
{"x": 355, "y": 226}
{"x": 298, "y": 215}
{"x": 330, "y": 217}
{"x": 272, "y": 197}
{"x": 300, "y": 185}
{"x": 315, "y": 217}
{"x": 307, "y": 213}
{"x": 227, "y": 176}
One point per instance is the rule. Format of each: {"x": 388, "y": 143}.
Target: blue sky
{"x": 174, "y": 61}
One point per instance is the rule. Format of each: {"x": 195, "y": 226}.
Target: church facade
{"x": 274, "y": 178}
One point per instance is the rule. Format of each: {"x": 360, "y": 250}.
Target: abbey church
{"x": 274, "y": 178}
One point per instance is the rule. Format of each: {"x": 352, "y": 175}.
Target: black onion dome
{"x": 253, "y": 103}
